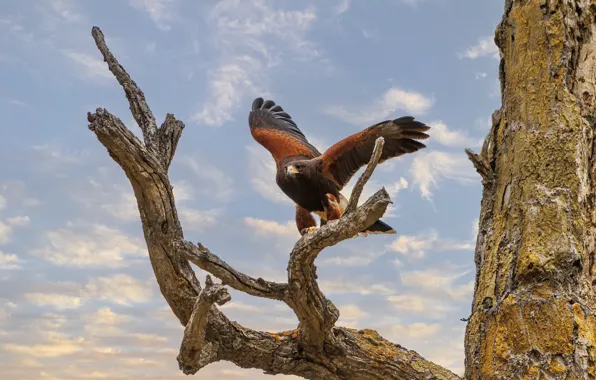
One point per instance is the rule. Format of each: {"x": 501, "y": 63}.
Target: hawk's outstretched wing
{"x": 274, "y": 129}
{"x": 342, "y": 160}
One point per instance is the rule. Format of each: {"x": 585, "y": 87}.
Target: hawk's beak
{"x": 291, "y": 170}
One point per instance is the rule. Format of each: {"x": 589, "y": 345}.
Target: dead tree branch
{"x": 204, "y": 259}
{"x": 194, "y": 333}
{"x": 370, "y": 168}
{"x": 321, "y": 350}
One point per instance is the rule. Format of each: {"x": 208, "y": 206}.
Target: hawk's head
{"x": 298, "y": 168}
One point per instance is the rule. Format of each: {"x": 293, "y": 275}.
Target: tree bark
{"x": 317, "y": 349}
{"x": 532, "y": 313}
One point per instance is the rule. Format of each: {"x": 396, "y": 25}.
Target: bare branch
{"x": 138, "y": 105}
{"x": 481, "y": 166}
{"x": 169, "y": 135}
{"x": 204, "y": 259}
{"x": 194, "y": 333}
{"x": 370, "y": 168}
{"x": 317, "y": 315}
{"x": 319, "y": 350}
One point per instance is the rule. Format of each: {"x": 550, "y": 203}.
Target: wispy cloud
{"x": 261, "y": 167}
{"x": 284, "y": 232}
{"x": 439, "y": 283}
{"x": 485, "y": 47}
{"x": 430, "y": 168}
{"x": 65, "y": 9}
{"x": 453, "y": 138}
{"x": 415, "y": 305}
{"x": 90, "y": 246}
{"x": 90, "y": 68}
{"x": 120, "y": 289}
{"x": 418, "y": 330}
{"x": 217, "y": 184}
{"x": 342, "y": 7}
{"x": 394, "y": 99}
{"x": 8, "y": 261}
{"x": 58, "y": 301}
{"x": 161, "y": 12}
{"x": 252, "y": 37}
{"x": 346, "y": 286}
{"x": 417, "y": 246}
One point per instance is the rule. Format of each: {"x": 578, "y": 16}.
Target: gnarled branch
{"x": 320, "y": 350}
{"x": 204, "y": 259}
{"x": 194, "y": 333}
{"x": 370, "y": 168}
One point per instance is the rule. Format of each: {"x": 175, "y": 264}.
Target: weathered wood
{"x": 319, "y": 350}
{"x": 532, "y": 314}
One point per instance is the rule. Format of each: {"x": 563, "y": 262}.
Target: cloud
{"x": 358, "y": 260}
{"x": 125, "y": 207}
{"x": 120, "y": 289}
{"x": 350, "y": 316}
{"x": 159, "y": 11}
{"x": 430, "y": 168}
{"x": 480, "y": 75}
{"x": 262, "y": 171}
{"x": 57, "y": 301}
{"x": 252, "y": 38}
{"x": 415, "y": 304}
{"x": 54, "y": 346}
{"x": 417, "y": 330}
{"x": 18, "y": 221}
{"x": 344, "y": 286}
{"x": 417, "y": 246}
{"x": 90, "y": 68}
{"x": 5, "y": 232}
{"x": 228, "y": 85}
{"x": 393, "y": 100}
{"x": 105, "y": 316}
{"x": 485, "y": 47}
{"x": 445, "y": 136}
{"x": 90, "y": 246}
{"x": 342, "y": 7}
{"x": 438, "y": 283}
{"x": 197, "y": 220}
{"x": 241, "y": 306}
{"x": 217, "y": 184}
{"x": 64, "y": 9}
{"x": 262, "y": 227}
{"x": 8, "y": 261}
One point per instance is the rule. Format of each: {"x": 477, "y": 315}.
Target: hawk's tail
{"x": 379, "y": 227}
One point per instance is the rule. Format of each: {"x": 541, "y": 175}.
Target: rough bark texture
{"x": 318, "y": 349}
{"x": 532, "y": 314}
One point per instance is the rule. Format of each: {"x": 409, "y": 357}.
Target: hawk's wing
{"x": 341, "y": 161}
{"x": 274, "y": 129}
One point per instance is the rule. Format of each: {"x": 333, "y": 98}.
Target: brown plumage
{"x": 314, "y": 180}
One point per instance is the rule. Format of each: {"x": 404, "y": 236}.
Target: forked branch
{"x": 320, "y": 350}
{"x": 194, "y": 333}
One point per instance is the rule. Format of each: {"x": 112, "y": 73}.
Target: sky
{"x": 78, "y": 298}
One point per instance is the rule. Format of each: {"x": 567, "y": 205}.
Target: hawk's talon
{"x": 308, "y": 230}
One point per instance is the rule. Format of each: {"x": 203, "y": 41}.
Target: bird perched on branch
{"x": 314, "y": 180}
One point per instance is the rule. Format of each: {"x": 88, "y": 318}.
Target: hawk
{"x": 314, "y": 180}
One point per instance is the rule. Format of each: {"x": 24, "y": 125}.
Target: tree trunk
{"x": 532, "y": 313}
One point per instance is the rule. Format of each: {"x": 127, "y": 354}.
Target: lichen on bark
{"x": 532, "y": 313}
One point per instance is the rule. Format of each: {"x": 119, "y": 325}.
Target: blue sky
{"x": 78, "y": 298}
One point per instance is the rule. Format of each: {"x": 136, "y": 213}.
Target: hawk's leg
{"x": 305, "y": 221}
{"x": 333, "y": 209}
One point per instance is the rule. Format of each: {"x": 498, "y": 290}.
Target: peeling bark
{"x": 532, "y": 314}
{"x": 318, "y": 349}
